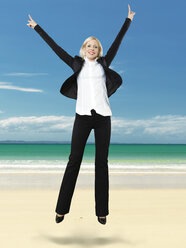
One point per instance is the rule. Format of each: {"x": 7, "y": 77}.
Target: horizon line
{"x": 68, "y": 142}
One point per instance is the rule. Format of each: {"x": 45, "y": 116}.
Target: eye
{"x": 90, "y": 45}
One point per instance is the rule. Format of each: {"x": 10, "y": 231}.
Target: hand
{"x": 31, "y": 23}
{"x": 130, "y": 14}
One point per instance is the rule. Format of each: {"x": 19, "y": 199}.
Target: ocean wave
{"x": 60, "y": 165}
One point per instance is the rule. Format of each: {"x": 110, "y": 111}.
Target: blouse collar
{"x": 91, "y": 61}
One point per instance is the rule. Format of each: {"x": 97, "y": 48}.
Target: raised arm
{"x": 111, "y": 53}
{"x": 67, "y": 58}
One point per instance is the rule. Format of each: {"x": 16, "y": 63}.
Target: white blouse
{"x": 92, "y": 91}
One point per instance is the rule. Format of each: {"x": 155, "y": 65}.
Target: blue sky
{"x": 149, "y": 107}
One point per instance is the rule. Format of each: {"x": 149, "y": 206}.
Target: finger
{"x": 30, "y": 17}
{"x": 129, "y": 7}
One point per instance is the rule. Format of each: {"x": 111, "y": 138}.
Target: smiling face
{"x": 91, "y": 49}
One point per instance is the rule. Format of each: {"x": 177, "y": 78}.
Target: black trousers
{"x": 82, "y": 127}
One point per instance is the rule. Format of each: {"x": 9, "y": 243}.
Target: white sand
{"x": 140, "y": 218}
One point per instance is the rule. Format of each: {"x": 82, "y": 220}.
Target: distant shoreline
{"x": 88, "y": 143}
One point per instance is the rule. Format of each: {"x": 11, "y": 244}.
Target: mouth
{"x": 92, "y": 53}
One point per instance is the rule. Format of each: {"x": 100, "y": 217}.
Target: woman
{"x": 92, "y": 83}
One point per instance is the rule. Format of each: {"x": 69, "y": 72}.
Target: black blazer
{"x": 113, "y": 79}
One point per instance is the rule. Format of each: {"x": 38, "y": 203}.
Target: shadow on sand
{"x": 84, "y": 240}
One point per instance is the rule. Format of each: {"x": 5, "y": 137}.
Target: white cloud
{"x": 36, "y": 124}
{"x": 158, "y": 127}
{"x": 1, "y": 112}
{"x": 9, "y": 86}
{"x": 24, "y": 74}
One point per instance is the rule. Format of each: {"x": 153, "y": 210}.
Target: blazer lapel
{"x": 69, "y": 87}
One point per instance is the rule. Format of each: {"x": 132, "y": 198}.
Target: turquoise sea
{"x": 122, "y": 157}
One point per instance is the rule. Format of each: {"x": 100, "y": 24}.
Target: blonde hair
{"x": 81, "y": 52}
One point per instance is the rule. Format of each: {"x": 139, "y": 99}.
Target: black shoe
{"x": 59, "y": 218}
{"x": 102, "y": 220}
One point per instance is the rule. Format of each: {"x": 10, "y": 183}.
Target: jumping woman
{"x": 91, "y": 84}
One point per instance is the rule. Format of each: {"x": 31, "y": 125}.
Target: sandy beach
{"x": 142, "y": 213}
